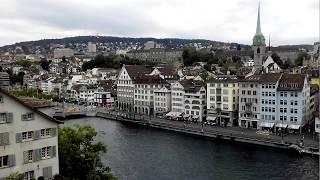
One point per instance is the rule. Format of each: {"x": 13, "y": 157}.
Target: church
{"x": 263, "y": 62}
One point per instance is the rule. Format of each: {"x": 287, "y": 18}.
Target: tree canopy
{"x": 80, "y": 156}
{"x": 111, "y": 61}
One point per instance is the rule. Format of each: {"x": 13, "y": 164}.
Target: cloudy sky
{"x": 286, "y": 21}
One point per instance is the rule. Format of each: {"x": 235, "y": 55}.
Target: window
{"x": 4, "y": 161}
{"x": 3, "y": 117}
{"x": 30, "y": 115}
{"x": 45, "y": 152}
{"x": 27, "y": 136}
{"x": 1, "y": 99}
{"x": 295, "y": 119}
{"x": 30, "y": 155}
{"x": 291, "y": 118}
{"x": 28, "y": 175}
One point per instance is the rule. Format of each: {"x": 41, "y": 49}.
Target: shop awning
{"x": 280, "y": 125}
{"x": 195, "y": 117}
{"x": 211, "y": 118}
{"x": 266, "y": 124}
{"x": 174, "y": 114}
{"x": 294, "y": 126}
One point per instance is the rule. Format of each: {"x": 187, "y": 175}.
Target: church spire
{"x": 258, "y": 31}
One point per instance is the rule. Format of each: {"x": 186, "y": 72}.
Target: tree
{"x": 45, "y": 64}
{"x": 64, "y": 59}
{"x": 80, "y": 156}
{"x": 301, "y": 56}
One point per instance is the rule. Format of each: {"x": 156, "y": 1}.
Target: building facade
{"x": 162, "y": 100}
{"x": 29, "y": 141}
{"x": 223, "y": 100}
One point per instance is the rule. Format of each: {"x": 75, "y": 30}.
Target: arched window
{"x": 196, "y": 107}
{"x": 187, "y": 107}
{"x": 258, "y": 51}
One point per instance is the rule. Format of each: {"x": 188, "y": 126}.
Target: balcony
{"x": 248, "y": 103}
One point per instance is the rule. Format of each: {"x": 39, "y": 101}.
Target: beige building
{"x": 223, "y": 100}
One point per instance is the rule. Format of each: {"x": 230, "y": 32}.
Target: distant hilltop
{"x": 167, "y": 42}
{"x": 29, "y": 47}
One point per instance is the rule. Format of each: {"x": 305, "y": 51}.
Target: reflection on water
{"x": 136, "y": 153}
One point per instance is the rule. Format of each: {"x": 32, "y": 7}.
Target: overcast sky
{"x": 286, "y": 21}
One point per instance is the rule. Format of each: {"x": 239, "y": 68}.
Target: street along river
{"x": 138, "y": 153}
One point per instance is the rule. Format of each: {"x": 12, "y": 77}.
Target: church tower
{"x": 258, "y": 45}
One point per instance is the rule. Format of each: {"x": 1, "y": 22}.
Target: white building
{"x": 87, "y": 94}
{"x": 29, "y": 141}
{"x": 125, "y": 85}
{"x": 162, "y": 100}
{"x": 144, "y": 87}
{"x": 103, "y": 98}
{"x": 194, "y": 100}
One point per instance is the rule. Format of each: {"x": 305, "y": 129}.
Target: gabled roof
{"x": 137, "y": 70}
{"x": 29, "y": 107}
{"x": 270, "y": 78}
{"x": 192, "y": 85}
{"x": 291, "y": 82}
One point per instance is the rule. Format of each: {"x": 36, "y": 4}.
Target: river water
{"x": 137, "y": 153}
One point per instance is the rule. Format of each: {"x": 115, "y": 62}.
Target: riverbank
{"x": 220, "y": 133}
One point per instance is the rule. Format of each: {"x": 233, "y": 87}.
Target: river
{"x": 137, "y": 153}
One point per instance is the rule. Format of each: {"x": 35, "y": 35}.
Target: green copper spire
{"x": 258, "y": 31}
{"x": 258, "y": 39}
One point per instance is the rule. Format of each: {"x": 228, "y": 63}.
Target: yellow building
{"x": 223, "y": 100}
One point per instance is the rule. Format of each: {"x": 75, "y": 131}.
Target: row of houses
{"x": 273, "y": 100}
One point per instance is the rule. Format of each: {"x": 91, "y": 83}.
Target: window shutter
{"x": 36, "y": 135}
{"x": 12, "y": 160}
{"x": 24, "y": 117}
{"x": 5, "y": 139}
{"x": 25, "y": 157}
{"x": 45, "y": 172}
{"x": 53, "y": 151}
{"x": 36, "y": 155}
{"x": 53, "y": 132}
{"x": 9, "y": 117}
{"x": 18, "y": 137}
{"x": 1, "y": 139}
{"x": 50, "y": 172}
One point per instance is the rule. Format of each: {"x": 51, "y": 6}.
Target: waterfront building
{"x": 223, "y": 100}
{"x": 314, "y": 101}
{"x": 195, "y": 107}
{"x": 177, "y": 99}
{"x": 268, "y": 85}
{"x": 144, "y": 88}
{"x": 293, "y": 95}
{"x": 249, "y": 102}
{"x": 103, "y": 98}
{"x": 28, "y": 140}
{"x": 87, "y": 94}
{"x": 125, "y": 85}
{"x": 162, "y": 100}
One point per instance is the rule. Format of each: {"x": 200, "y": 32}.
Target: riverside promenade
{"x": 303, "y": 143}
